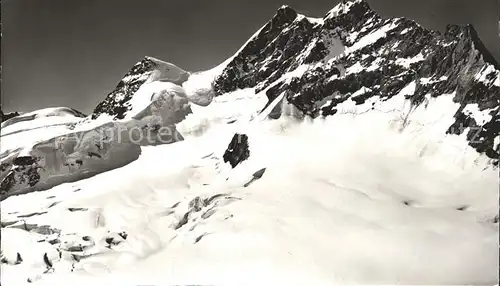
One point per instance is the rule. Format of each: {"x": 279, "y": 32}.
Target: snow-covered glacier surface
{"x": 308, "y": 163}
{"x": 330, "y": 208}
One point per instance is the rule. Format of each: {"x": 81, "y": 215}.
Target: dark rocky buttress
{"x": 270, "y": 54}
{"x": 379, "y": 57}
{"x": 7, "y": 116}
{"x": 116, "y": 103}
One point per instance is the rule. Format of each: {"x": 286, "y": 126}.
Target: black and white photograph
{"x": 244, "y": 143}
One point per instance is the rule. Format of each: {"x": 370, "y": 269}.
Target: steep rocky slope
{"x": 117, "y": 103}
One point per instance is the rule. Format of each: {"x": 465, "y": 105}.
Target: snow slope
{"x": 357, "y": 213}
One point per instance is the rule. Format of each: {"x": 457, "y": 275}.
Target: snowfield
{"x": 339, "y": 202}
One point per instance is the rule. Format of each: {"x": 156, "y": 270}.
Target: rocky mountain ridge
{"x": 354, "y": 54}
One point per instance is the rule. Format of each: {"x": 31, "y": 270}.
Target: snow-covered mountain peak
{"x": 358, "y": 7}
{"x": 354, "y": 54}
{"x": 284, "y": 14}
{"x": 117, "y": 103}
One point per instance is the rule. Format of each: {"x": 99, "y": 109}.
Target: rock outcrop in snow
{"x": 237, "y": 151}
{"x": 6, "y": 116}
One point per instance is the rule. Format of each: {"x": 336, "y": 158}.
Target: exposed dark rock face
{"x": 117, "y": 102}
{"x": 237, "y": 151}
{"x": 379, "y": 58}
{"x": 26, "y": 174}
{"x": 270, "y": 54}
{"x": 24, "y": 161}
{"x": 7, "y": 116}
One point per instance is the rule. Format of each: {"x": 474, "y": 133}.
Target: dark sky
{"x": 73, "y": 52}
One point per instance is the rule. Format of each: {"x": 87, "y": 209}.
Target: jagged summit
{"x": 150, "y": 69}
{"x": 470, "y": 32}
{"x": 355, "y": 7}
{"x": 284, "y": 15}
{"x": 115, "y": 103}
{"x": 285, "y": 8}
